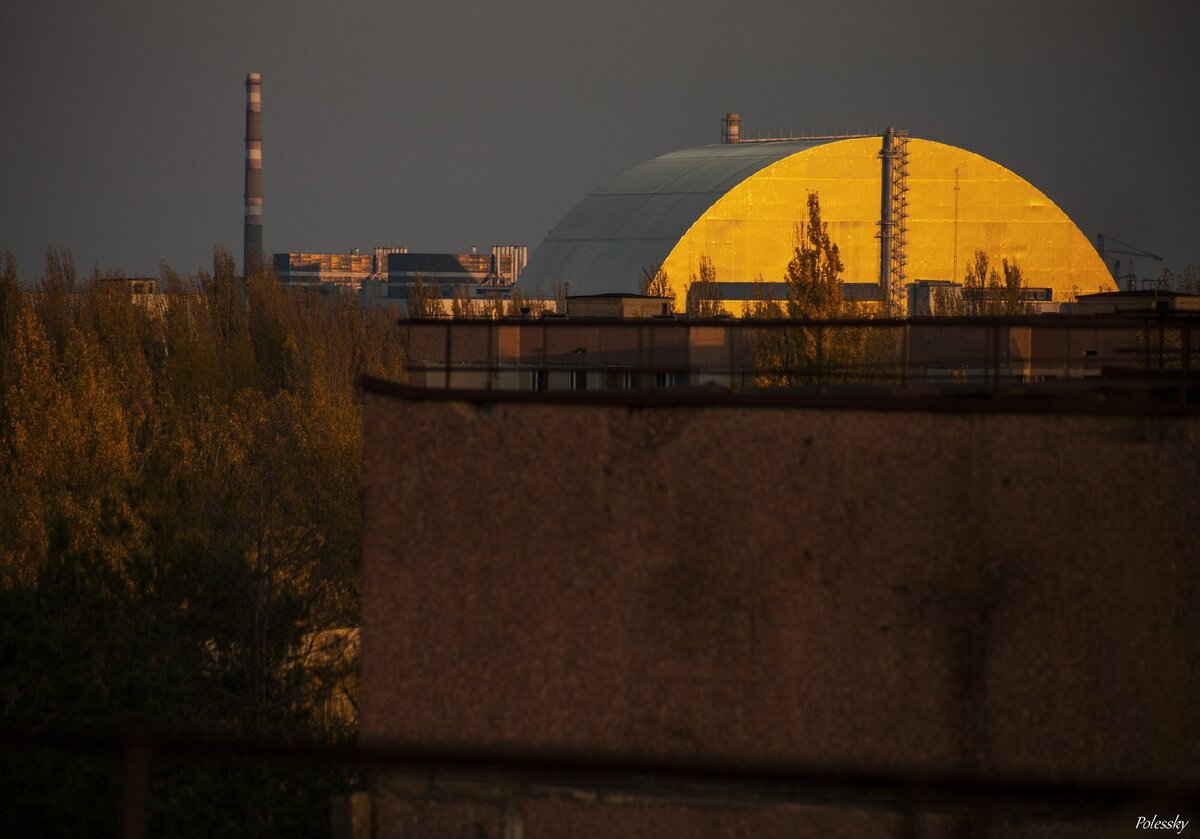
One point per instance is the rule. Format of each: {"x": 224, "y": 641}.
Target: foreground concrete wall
{"x": 1004, "y": 595}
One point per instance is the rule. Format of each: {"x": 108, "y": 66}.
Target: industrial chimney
{"x": 252, "y": 242}
{"x": 731, "y": 128}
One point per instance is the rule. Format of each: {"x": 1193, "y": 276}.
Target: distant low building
{"x": 1135, "y": 302}
{"x": 136, "y": 286}
{"x": 143, "y": 291}
{"x": 618, "y": 305}
{"x": 932, "y": 298}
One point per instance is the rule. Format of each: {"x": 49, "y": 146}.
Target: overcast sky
{"x": 438, "y": 124}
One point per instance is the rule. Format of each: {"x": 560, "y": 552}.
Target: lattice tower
{"x": 898, "y": 222}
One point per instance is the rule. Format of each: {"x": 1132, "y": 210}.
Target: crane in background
{"x": 1107, "y": 250}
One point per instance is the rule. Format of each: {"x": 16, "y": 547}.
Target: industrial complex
{"x": 388, "y": 275}
{"x": 907, "y": 214}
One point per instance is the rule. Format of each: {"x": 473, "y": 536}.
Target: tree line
{"x": 180, "y": 511}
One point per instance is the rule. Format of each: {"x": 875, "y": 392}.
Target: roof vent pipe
{"x": 731, "y": 128}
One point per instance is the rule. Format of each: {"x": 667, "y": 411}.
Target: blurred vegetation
{"x": 656, "y": 283}
{"x": 180, "y": 510}
{"x": 702, "y": 293}
{"x": 988, "y": 293}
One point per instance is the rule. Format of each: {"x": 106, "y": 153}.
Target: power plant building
{"x": 473, "y": 275}
{"x": 899, "y": 209}
{"x": 388, "y": 274}
{"x": 325, "y": 271}
{"x": 499, "y": 268}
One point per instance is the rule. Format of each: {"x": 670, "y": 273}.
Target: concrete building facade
{"x": 600, "y": 346}
{"x": 973, "y": 594}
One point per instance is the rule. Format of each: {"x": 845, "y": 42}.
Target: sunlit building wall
{"x": 326, "y": 271}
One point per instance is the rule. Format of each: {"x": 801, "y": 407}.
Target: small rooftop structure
{"x": 1140, "y": 301}
{"x": 618, "y": 305}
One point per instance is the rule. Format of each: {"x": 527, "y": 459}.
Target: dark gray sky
{"x": 438, "y": 124}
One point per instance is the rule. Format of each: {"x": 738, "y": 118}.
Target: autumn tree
{"x": 819, "y": 353}
{"x": 519, "y": 305}
{"x": 180, "y": 495}
{"x": 492, "y": 308}
{"x": 814, "y": 273}
{"x": 988, "y": 292}
{"x": 1190, "y": 282}
{"x": 703, "y": 294}
{"x": 461, "y": 304}
{"x": 424, "y": 299}
{"x": 1012, "y": 289}
{"x": 656, "y": 283}
{"x": 763, "y": 303}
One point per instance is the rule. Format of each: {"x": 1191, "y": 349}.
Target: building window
{"x": 578, "y": 380}
{"x": 539, "y": 380}
{"x": 668, "y": 379}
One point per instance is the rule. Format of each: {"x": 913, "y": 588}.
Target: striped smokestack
{"x": 252, "y": 242}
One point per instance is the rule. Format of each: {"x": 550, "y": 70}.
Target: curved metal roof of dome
{"x": 634, "y": 221}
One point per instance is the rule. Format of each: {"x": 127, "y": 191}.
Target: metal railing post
{"x": 1185, "y": 363}
{"x": 729, "y": 341}
{"x": 995, "y": 357}
{"x": 1070, "y": 333}
{"x": 1161, "y": 330}
{"x": 493, "y": 353}
{"x": 820, "y": 377}
{"x": 135, "y": 791}
{"x": 1146, "y": 343}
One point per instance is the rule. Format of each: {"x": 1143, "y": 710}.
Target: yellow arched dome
{"x": 958, "y": 202}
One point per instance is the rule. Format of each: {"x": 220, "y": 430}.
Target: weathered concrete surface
{"x": 1006, "y": 595}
